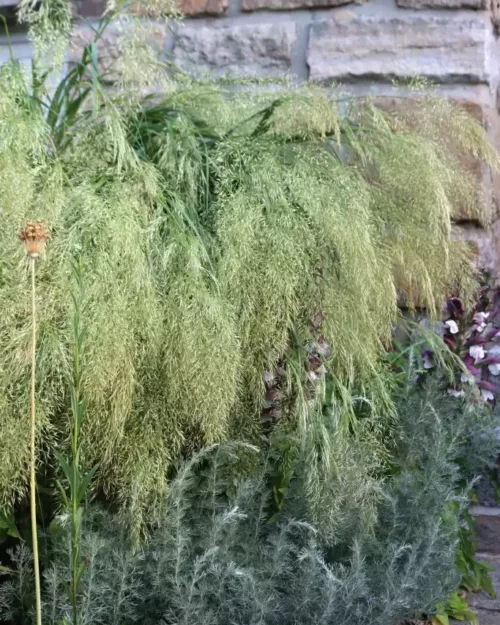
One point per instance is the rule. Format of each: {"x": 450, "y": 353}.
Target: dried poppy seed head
{"x": 34, "y": 236}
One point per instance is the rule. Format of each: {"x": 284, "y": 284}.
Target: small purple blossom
{"x": 477, "y": 352}
{"x": 494, "y": 368}
{"x": 487, "y": 395}
{"x": 452, "y": 326}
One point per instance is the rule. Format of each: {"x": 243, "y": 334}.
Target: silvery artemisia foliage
{"x": 217, "y": 557}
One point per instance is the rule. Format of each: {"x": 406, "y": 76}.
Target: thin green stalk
{"x": 34, "y": 534}
{"x": 78, "y": 482}
{"x": 76, "y": 515}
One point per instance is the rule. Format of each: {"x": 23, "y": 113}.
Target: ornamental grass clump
{"x": 220, "y": 232}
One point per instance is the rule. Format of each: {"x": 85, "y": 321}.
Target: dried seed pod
{"x": 34, "y": 236}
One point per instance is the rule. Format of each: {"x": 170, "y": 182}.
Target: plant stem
{"x": 34, "y": 534}
{"x": 75, "y": 453}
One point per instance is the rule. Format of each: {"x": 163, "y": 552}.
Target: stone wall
{"x": 363, "y": 44}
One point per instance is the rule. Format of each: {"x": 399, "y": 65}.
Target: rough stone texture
{"x": 286, "y": 5}
{"x": 89, "y": 8}
{"x": 488, "y": 618}
{"x": 486, "y": 244}
{"x": 488, "y": 533}
{"x": 485, "y": 493}
{"x": 8, "y": 10}
{"x": 186, "y": 7}
{"x": 354, "y": 46}
{"x": 238, "y": 50}
{"x": 443, "y": 4}
{"x": 488, "y": 180}
{"x": 110, "y": 43}
{"x": 495, "y": 12}
{"x": 95, "y": 8}
{"x": 204, "y": 7}
{"x": 481, "y": 600}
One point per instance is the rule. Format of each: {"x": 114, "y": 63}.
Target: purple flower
{"x": 491, "y": 360}
{"x": 452, "y": 326}
{"x": 487, "y": 390}
{"x": 480, "y": 319}
{"x": 476, "y": 340}
{"x": 455, "y": 307}
{"x": 487, "y": 386}
{"x": 477, "y": 352}
{"x": 473, "y": 370}
{"x": 487, "y": 395}
{"x": 494, "y": 368}
{"x": 450, "y": 342}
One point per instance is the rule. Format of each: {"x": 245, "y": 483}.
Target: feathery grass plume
{"x": 213, "y": 225}
{"x": 49, "y": 25}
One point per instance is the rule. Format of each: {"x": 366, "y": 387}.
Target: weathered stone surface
{"x": 110, "y": 46}
{"x": 486, "y": 244}
{"x": 443, "y": 4}
{"x": 203, "y": 7}
{"x": 286, "y": 5}
{"x": 481, "y": 600}
{"x": 482, "y": 175}
{"x": 8, "y": 9}
{"x": 161, "y": 8}
{"x": 488, "y": 618}
{"x": 95, "y": 8}
{"x": 237, "y": 50}
{"x": 447, "y": 49}
{"x": 488, "y": 534}
{"x": 495, "y": 12}
{"x": 89, "y": 8}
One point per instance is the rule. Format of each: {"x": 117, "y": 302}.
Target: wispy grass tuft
{"x": 212, "y": 225}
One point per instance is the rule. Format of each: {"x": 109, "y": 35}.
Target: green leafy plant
{"x": 417, "y": 361}
{"x": 455, "y": 607}
{"x": 217, "y": 557}
{"x": 245, "y": 252}
{"x": 78, "y": 481}
{"x": 475, "y": 574}
{"x": 208, "y": 246}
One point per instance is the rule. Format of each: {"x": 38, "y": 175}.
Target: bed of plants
{"x": 202, "y": 306}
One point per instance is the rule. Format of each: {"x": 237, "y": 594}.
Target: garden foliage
{"x": 216, "y": 557}
{"x": 243, "y": 253}
{"x": 212, "y": 226}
